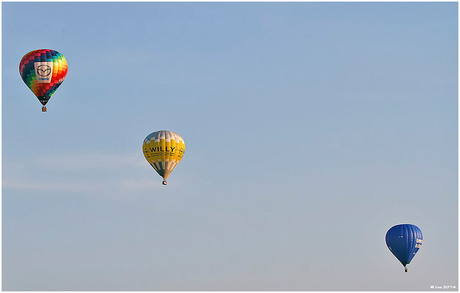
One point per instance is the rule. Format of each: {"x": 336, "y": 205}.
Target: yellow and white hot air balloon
{"x": 163, "y": 150}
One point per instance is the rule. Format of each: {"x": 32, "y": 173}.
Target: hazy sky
{"x": 310, "y": 130}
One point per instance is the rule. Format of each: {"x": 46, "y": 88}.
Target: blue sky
{"x": 310, "y": 130}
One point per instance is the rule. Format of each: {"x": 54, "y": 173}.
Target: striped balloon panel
{"x": 163, "y": 150}
{"x": 404, "y": 241}
{"x": 52, "y": 60}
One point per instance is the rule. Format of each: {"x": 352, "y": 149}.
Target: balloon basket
{"x": 164, "y": 182}
{"x": 43, "y": 109}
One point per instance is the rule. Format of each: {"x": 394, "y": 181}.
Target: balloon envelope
{"x": 163, "y": 150}
{"x": 404, "y": 241}
{"x": 43, "y": 71}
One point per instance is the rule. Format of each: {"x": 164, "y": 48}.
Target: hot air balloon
{"x": 163, "y": 150}
{"x": 43, "y": 71}
{"x": 404, "y": 241}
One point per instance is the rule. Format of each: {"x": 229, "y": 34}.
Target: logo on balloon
{"x": 43, "y": 70}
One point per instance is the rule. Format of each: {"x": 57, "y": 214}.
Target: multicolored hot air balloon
{"x": 404, "y": 241}
{"x": 163, "y": 150}
{"x": 43, "y": 71}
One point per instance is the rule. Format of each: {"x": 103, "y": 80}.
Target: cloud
{"x": 105, "y": 173}
{"x": 90, "y": 160}
{"x": 49, "y": 186}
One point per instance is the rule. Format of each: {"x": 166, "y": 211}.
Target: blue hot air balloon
{"x": 404, "y": 241}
